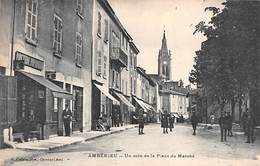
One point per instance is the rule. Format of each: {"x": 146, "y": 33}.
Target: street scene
{"x": 177, "y": 147}
{"x": 129, "y": 82}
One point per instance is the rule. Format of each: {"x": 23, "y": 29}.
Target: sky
{"x": 145, "y": 20}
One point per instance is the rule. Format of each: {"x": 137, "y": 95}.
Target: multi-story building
{"x": 110, "y": 66}
{"x": 145, "y": 94}
{"x": 49, "y": 46}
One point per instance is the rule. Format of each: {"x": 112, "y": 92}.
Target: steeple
{"x": 164, "y": 60}
{"x": 164, "y": 43}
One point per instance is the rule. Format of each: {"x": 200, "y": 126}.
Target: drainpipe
{"x": 12, "y": 42}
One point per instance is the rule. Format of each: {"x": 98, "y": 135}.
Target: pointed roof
{"x": 164, "y": 43}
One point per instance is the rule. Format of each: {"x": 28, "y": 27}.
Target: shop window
{"x": 55, "y": 109}
{"x": 57, "y": 35}
{"x": 31, "y": 21}
{"x": 77, "y": 104}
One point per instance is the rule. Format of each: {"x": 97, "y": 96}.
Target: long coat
{"x": 165, "y": 121}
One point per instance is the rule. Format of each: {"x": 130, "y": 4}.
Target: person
{"x": 105, "y": 120}
{"x": 67, "y": 117}
{"x": 229, "y": 124}
{"x": 244, "y": 120}
{"x": 165, "y": 122}
{"x": 171, "y": 121}
{"x": 140, "y": 120}
{"x": 194, "y": 122}
{"x": 223, "y": 127}
{"x": 250, "y": 128}
{"x": 117, "y": 120}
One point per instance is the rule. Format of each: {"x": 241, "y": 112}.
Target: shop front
{"x": 102, "y": 106}
{"x": 125, "y": 107}
{"x": 40, "y": 106}
{"x": 149, "y": 111}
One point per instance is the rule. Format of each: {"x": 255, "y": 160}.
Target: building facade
{"x": 48, "y": 52}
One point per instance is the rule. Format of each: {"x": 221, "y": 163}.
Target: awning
{"x": 144, "y": 105}
{"x": 56, "y": 90}
{"x": 176, "y": 115}
{"x": 123, "y": 99}
{"x": 105, "y": 92}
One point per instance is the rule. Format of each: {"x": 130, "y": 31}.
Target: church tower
{"x": 164, "y": 61}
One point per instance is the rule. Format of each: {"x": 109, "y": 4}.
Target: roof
{"x": 142, "y": 72}
{"x": 132, "y": 44}
{"x": 105, "y": 4}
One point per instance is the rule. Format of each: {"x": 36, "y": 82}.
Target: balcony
{"x": 118, "y": 56}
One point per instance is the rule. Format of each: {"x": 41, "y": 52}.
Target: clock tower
{"x": 164, "y": 61}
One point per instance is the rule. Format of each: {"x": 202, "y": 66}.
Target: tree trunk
{"x": 233, "y": 104}
{"x": 240, "y": 109}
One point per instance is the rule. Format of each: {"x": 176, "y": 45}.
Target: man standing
{"x": 194, "y": 122}
{"x": 140, "y": 119}
{"x": 171, "y": 121}
{"x": 165, "y": 122}
{"x": 223, "y": 127}
{"x": 67, "y": 118}
{"x": 250, "y": 128}
{"x": 229, "y": 124}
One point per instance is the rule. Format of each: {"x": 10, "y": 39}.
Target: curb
{"x": 78, "y": 142}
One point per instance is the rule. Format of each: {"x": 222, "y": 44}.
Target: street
{"x": 154, "y": 147}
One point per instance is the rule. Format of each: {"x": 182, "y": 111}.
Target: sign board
{"x": 29, "y": 61}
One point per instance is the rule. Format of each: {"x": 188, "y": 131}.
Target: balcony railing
{"x": 119, "y": 56}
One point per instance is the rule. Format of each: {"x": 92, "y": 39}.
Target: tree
{"x": 227, "y": 63}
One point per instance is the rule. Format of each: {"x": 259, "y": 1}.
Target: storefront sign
{"x": 29, "y": 61}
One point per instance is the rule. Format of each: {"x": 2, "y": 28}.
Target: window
{"x": 78, "y": 49}
{"x": 99, "y": 24}
{"x": 118, "y": 80}
{"x": 113, "y": 78}
{"x": 106, "y": 32}
{"x": 105, "y": 67}
{"x": 55, "y": 109}
{"x": 99, "y": 63}
{"x": 57, "y": 35}
{"x": 115, "y": 40}
{"x": 79, "y": 7}
{"x": 31, "y": 21}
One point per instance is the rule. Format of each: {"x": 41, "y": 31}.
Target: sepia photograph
{"x": 130, "y": 82}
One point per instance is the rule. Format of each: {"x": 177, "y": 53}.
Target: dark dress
{"x": 141, "y": 121}
{"x": 165, "y": 121}
{"x": 194, "y": 122}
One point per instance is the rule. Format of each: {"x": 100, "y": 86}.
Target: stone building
{"x": 47, "y": 47}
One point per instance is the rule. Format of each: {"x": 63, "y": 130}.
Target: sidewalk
{"x": 62, "y": 141}
{"x": 40, "y": 146}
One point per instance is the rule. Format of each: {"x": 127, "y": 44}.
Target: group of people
{"x": 167, "y": 121}
{"x": 225, "y": 123}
